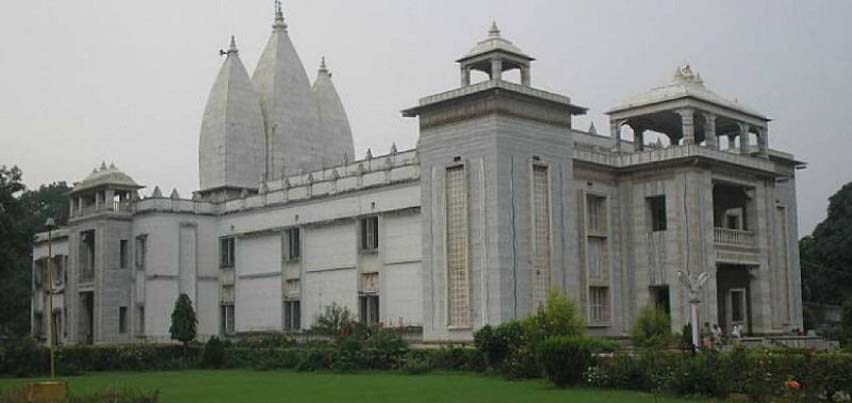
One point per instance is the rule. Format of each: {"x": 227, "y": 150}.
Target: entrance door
{"x": 737, "y": 313}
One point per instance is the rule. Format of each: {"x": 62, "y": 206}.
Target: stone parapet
{"x": 599, "y": 156}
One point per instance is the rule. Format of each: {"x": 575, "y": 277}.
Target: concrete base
{"x": 46, "y": 391}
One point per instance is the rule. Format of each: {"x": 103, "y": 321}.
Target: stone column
{"x": 80, "y": 206}
{"x": 638, "y": 138}
{"x": 496, "y": 69}
{"x": 763, "y": 141}
{"x": 744, "y": 130}
{"x": 688, "y": 125}
{"x": 525, "y": 76}
{"x": 615, "y": 133}
{"x": 465, "y": 76}
{"x": 710, "y": 130}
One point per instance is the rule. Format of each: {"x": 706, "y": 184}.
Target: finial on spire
{"x": 279, "y": 17}
{"x": 323, "y": 68}
{"x": 232, "y": 48}
{"x": 494, "y": 32}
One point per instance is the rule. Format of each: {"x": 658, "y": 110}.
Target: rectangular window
{"x": 458, "y": 294}
{"x": 227, "y": 319}
{"x": 292, "y": 315}
{"x": 369, "y": 308}
{"x": 598, "y": 304}
{"x": 657, "y": 208}
{"x": 598, "y": 258}
{"x": 122, "y": 253}
{"x": 87, "y": 255}
{"x": 140, "y": 320}
{"x": 370, "y": 233}
{"x": 294, "y": 244}
{"x": 226, "y": 252}
{"x": 541, "y": 234}
{"x": 122, "y": 319}
{"x": 140, "y": 251}
{"x": 596, "y": 213}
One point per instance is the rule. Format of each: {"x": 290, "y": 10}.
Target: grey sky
{"x": 126, "y": 82}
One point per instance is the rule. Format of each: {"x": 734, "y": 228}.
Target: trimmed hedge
{"x": 565, "y": 359}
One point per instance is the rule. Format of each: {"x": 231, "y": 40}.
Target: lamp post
{"x": 50, "y": 325}
{"x": 693, "y": 284}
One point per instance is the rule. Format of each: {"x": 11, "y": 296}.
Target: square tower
{"x": 497, "y": 195}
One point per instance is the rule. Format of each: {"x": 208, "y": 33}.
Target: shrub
{"x": 214, "y": 353}
{"x": 415, "y": 364}
{"x": 106, "y": 396}
{"x": 333, "y": 321}
{"x": 559, "y": 317}
{"x": 652, "y": 328}
{"x": 565, "y": 359}
{"x": 498, "y": 344}
{"x": 455, "y": 358}
{"x": 24, "y": 357}
{"x": 702, "y": 375}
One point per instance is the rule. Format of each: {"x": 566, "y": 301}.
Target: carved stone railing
{"x": 734, "y": 237}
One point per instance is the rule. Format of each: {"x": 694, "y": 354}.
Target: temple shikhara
{"x": 501, "y": 201}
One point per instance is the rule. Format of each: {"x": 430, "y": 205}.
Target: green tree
{"x": 15, "y": 249}
{"x": 184, "y": 322}
{"x": 846, "y": 323}
{"x": 826, "y": 255}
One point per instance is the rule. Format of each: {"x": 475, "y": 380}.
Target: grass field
{"x": 246, "y": 386}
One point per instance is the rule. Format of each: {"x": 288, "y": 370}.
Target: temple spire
{"x": 232, "y": 48}
{"x": 323, "y": 68}
{"x": 279, "y": 17}
{"x": 494, "y": 32}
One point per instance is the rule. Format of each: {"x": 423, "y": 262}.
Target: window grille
{"x": 541, "y": 235}
{"x": 457, "y": 248}
{"x": 598, "y": 304}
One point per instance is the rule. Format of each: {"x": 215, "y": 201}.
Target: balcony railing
{"x": 734, "y": 237}
{"x": 116, "y": 206}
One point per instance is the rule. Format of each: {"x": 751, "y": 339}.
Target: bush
{"x": 214, "y": 353}
{"x": 24, "y": 357}
{"x": 107, "y": 396}
{"x": 416, "y": 364}
{"x": 652, "y": 329}
{"x": 455, "y": 358}
{"x": 565, "y": 359}
{"x": 498, "y": 344}
{"x": 702, "y": 375}
{"x": 559, "y": 317}
{"x": 334, "y": 321}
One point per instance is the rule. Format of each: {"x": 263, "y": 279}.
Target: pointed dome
{"x": 286, "y": 99}
{"x": 333, "y": 123}
{"x": 231, "y": 149}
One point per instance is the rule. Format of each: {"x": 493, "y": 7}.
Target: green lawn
{"x": 246, "y": 386}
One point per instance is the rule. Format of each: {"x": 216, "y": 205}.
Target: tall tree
{"x": 15, "y": 247}
{"x": 22, "y": 214}
{"x": 183, "y": 320}
{"x": 826, "y": 255}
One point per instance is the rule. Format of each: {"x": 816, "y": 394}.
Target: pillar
{"x": 763, "y": 141}
{"x": 687, "y": 125}
{"x": 732, "y": 141}
{"x": 615, "y": 133}
{"x": 525, "y": 76}
{"x": 744, "y": 130}
{"x": 710, "y": 130}
{"x": 465, "y": 76}
{"x": 80, "y": 206}
{"x": 496, "y": 69}
{"x": 638, "y": 138}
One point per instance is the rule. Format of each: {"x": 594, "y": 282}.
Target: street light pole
{"x": 51, "y": 331}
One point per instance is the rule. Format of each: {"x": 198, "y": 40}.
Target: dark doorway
{"x": 660, "y": 296}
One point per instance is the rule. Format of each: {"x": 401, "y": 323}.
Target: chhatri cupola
{"x": 493, "y": 56}
{"x": 686, "y": 112}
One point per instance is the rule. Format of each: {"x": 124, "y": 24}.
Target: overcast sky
{"x": 85, "y": 81}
